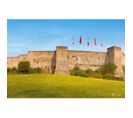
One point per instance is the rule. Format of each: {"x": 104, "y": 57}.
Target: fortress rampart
{"x": 62, "y": 60}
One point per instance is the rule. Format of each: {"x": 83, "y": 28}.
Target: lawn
{"x": 62, "y": 86}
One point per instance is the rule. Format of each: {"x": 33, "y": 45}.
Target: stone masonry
{"x": 62, "y": 60}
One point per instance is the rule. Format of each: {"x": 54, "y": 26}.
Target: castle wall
{"x": 86, "y": 59}
{"x": 42, "y": 59}
{"x": 62, "y": 60}
{"x": 123, "y": 59}
{"x": 12, "y": 62}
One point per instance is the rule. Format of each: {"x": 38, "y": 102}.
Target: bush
{"x": 89, "y": 71}
{"x": 12, "y": 70}
{"x": 96, "y": 75}
{"x": 78, "y": 72}
{"x": 109, "y": 76}
{"x": 82, "y": 73}
{"x": 92, "y": 73}
{"x": 106, "y": 72}
{"x": 112, "y": 77}
{"x": 36, "y": 70}
{"x": 8, "y": 70}
{"x": 107, "y": 68}
{"x": 15, "y": 70}
{"x": 75, "y": 71}
{"x": 119, "y": 78}
{"x": 24, "y": 67}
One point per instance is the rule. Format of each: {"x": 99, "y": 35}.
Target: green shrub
{"x": 96, "y": 75}
{"x": 106, "y": 72}
{"x": 112, "y": 77}
{"x": 8, "y": 70}
{"x": 109, "y": 76}
{"x": 12, "y": 70}
{"x": 89, "y": 71}
{"x": 82, "y": 73}
{"x": 24, "y": 67}
{"x": 78, "y": 72}
{"x": 107, "y": 68}
{"x": 85, "y": 73}
{"x": 36, "y": 70}
{"x": 75, "y": 71}
{"x": 92, "y": 73}
{"x": 119, "y": 78}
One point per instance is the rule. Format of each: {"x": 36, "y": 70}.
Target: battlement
{"x": 39, "y": 51}
{"x": 61, "y": 47}
{"x": 22, "y": 55}
{"x": 114, "y": 48}
{"x": 81, "y": 51}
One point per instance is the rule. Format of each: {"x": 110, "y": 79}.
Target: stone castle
{"x": 62, "y": 60}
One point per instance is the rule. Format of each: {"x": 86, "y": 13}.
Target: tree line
{"x": 24, "y": 68}
{"x": 106, "y": 71}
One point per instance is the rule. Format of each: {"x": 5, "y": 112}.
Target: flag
{"x": 80, "y": 41}
{"x": 73, "y": 40}
{"x": 95, "y": 41}
{"x": 88, "y": 41}
{"x": 101, "y": 42}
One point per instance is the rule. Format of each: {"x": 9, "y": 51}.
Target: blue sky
{"x": 25, "y": 35}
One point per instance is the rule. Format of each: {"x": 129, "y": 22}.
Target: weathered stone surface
{"x": 62, "y": 60}
{"x": 115, "y": 56}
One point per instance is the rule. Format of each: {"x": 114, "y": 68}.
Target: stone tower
{"x": 61, "y": 60}
{"x": 115, "y": 55}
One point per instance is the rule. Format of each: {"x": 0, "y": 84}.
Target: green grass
{"x": 62, "y": 86}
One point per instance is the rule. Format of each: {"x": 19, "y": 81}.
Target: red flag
{"x": 95, "y": 42}
{"x": 80, "y": 41}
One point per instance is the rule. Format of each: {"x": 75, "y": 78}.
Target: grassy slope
{"x": 60, "y": 86}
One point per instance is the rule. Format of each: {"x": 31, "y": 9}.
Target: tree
{"x": 108, "y": 68}
{"x": 75, "y": 71}
{"x": 14, "y": 70}
{"x": 8, "y": 70}
{"x": 36, "y": 70}
{"x": 24, "y": 67}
